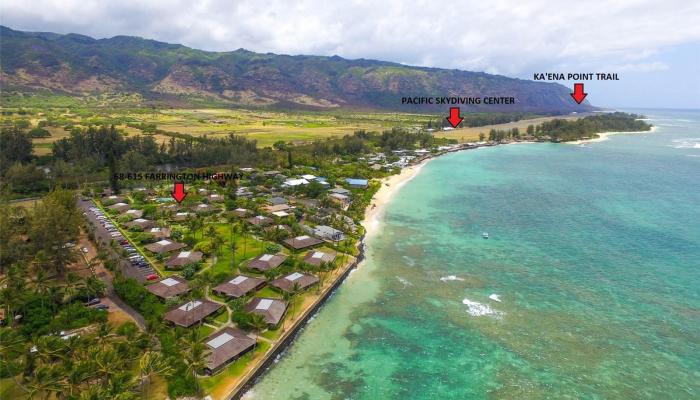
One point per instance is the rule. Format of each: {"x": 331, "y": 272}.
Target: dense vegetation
{"x": 560, "y": 130}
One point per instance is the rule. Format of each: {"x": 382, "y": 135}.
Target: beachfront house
{"x": 191, "y": 312}
{"x": 315, "y": 258}
{"x": 328, "y": 233}
{"x": 272, "y": 310}
{"x": 340, "y": 190}
{"x": 302, "y": 242}
{"x": 340, "y": 199}
{"x": 299, "y": 279}
{"x": 266, "y": 262}
{"x": 169, "y": 287}
{"x": 226, "y": 346}
{"x": 357, "y": 183}
{"x": 239, "y": 286}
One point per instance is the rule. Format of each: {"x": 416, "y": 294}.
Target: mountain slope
{"x": 78, "y": 64}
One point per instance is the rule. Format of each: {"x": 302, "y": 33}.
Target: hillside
{"x": 79, "y": 65}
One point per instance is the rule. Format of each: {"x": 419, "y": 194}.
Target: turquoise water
{"x": 594, "y": 253}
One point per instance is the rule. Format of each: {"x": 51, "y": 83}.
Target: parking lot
{"x": 133, "y": 265}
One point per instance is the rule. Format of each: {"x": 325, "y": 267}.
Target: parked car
{"x": 101, "y": 307}
{"x": 92, "y": 302}
{"x": 152, "y": 277}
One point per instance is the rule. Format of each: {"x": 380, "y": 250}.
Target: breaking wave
{"x": 451, "y": 278}
{"x": 476, "y": 309}
{"x": 687, "y": 143}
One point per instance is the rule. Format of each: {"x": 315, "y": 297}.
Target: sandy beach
{"x": 390, "y": 185}
{"x": 603, "y": 136}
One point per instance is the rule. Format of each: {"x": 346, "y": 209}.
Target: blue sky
{"x": 654, "y": 46}
{"x": 672, "y": 80}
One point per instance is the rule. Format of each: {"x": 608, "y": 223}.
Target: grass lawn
{"x": 272, "y": 334}
{"x": 157, "y": 390}
{"x": 223, "y": 262}
{"x": 234, "y": 369}
{"x": 205, "y": 330}
{"x": 268, "y": 292}
{"x": 10, "y": 390}
{"x": 222, "y": 318}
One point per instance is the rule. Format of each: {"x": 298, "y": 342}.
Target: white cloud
{"x": 510, "y": 37}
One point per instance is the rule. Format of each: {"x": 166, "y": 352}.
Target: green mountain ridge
{"x": 79, "y": 65}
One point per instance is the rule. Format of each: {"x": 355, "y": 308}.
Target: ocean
{"x": 588, "y": 286}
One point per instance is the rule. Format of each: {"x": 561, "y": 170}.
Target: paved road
{"x": 103, "y": 236}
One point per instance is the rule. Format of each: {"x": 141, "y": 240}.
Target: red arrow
{"x": 454, "y": 119}
{"x": 178, "y": 192}
{"x": 578, "y": 93}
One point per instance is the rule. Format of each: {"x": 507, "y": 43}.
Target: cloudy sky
{"x": 653, "y": 45}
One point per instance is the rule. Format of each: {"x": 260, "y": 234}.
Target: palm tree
{"x": 210, "y": 232}
{"x": 293, "y": 292}
{"x": 41, "y": 283}
{"x": 196, "y": 355}
{"x": 13, "y": 349}
{"x": 104, "y": 333}
{"x": 152, "y": 363}
{"x": 244, "y": 231}
{"x": 94, "y": 287}
{"x": 45, "y": 380}
{"x": 72, "y": 283}
{"x": 258, "y": 323}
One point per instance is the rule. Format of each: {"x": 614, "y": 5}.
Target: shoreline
{"x": 390, "y": 185}
{"x": 603, "y": 136}
{"x": 372, "y": 222}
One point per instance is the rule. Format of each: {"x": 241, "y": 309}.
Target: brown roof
{"x": 133, "y": 213}
{"x": 240, "y": 212}
{"x": 183, "y": 258}
{"x": 142, "y": 223}
{"x": 315, "y": 258}
{"x": 214, "y": 197}
{"x": 226, "y": 345}
{"x": 240, "y": 286}
{"x": 286, "y": 283}
{"x": 113, "y": 199}
{"x": 266, "y": 262}
{"x": 169, "y": 287}
{"x": 302, "y": 242}
{"x": 271, "y": 309}
{"x": 121, "y": 207}
{"x": 182, "y": 216}
{"x": 260, "y": 220}
{"x": 164, "y": 246}
{"x": 277, "y": 207}
{"x": 191, "y": 312}
{"x": 201, "y": 208}
{"x": 160, "y": 233}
